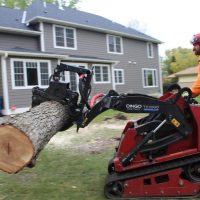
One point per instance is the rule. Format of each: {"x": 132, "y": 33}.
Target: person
{"x": 196, "y": 49}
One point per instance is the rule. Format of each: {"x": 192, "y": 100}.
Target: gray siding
{"x": 8, "y": 41}
{"x": 102, "y": 87}
{"x": 1, "y": 84}
{"x": 21, "y": 97}
{"x": 91, "y": 43}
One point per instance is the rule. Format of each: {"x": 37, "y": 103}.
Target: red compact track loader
{"x": 158, "y": 155}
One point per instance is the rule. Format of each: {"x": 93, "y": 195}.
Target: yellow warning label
{"x": 85, "y": 120}
{"x": 175, "y": 122}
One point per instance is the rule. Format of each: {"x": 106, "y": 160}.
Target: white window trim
{"x": 54, "y": 37}
{"x": 153, "y": 86}
{"x": 25, "y": 75}
{"x": 121, "y": 44}
{"x": 151, "y": 44}
{"x": 109, "y": 75}
{"x": 123, "y": 82}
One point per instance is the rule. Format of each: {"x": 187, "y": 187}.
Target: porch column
{"x": 5, "y": 85}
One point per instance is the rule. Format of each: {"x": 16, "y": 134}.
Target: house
{"x": 186, "y": 77}
{"x": 35, "y": 40}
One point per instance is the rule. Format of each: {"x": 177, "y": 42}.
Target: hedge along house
{"x": 35, "y": 40}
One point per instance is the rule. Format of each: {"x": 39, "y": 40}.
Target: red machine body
{"x": 178, "y": 181}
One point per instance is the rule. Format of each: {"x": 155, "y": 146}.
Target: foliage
{"x": 22, "y": 4}
{"x": 178, "y": 59}
{"x": 73, "y": 3}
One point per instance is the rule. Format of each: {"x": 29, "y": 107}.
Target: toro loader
{"x": 158, "y": 155}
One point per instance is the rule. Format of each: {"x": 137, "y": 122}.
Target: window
{"x": 150, "y": 50}
{"x": 72, "y": 77}
{"x": 114, "y": 44}
{"x": 29, "y": 73}
{"x": 119, "y": 76}
{"x": 150, "y": 78}
{"x": 101, "y": 74}
{"x": 64, "y": 37}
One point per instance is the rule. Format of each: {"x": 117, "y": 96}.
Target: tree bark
{"x": 23, "y": 136}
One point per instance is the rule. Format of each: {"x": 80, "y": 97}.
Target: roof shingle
{"x": 12, "y": 18}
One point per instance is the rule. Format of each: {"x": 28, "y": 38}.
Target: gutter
{"x": 51, "y": 20}
{"x": 41, "y": 55}
{"x": 20, "y": 31}
{"x": 92, "y": 60}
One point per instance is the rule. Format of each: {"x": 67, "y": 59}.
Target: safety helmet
{"x": 195, "y": 39}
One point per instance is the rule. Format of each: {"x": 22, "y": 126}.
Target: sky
{"x": 173, "y": 22}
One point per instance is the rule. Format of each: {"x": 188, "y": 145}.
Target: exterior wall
{"x": 187, "y": 81}
{"x": 22, "y": 98}
{"x": 91, "y": 43}
{"x": 9, "y": 41}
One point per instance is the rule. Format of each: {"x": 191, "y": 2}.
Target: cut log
{"x": 23, "y": 136}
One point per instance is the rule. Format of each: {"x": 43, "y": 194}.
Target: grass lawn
{"x": 59, "y": 175}
{"x": 64, "y": 173}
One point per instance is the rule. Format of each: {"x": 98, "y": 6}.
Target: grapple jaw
{"x": 61, "y": 92}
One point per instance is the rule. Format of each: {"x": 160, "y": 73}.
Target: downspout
{"x": 113, "y": 76}
{"x": 5, "y": 84}
{"x": 42, "y": 45}
{"x": 160, "y": 74}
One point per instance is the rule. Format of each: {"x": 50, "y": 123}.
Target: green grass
{"x": 109, "y": 114}
{"x": 58, "y": 175}
{"x": 198, "y": 99}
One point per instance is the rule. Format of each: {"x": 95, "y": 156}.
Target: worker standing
{"x": 196, "y": 49}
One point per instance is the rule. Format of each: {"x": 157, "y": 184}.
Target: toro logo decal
{"x": 133, "y": 106}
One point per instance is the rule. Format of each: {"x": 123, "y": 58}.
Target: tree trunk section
{"x": 23, "y": 136}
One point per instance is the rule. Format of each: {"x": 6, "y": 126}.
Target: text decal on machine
{"x": 152, "y": 108}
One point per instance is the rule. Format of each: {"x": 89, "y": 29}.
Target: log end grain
{"x": 16, "y": 149}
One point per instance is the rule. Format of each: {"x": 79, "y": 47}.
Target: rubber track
{"x": 155, "y": 168}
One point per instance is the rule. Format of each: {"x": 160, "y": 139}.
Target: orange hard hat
{"x": 195, "y": 39}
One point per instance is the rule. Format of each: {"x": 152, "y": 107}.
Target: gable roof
{"x": 50, "y": 12}
{"x": 41, "y": 11}
{"x": 12, "y": 18}
{"x": 185, "y": 72}
{"x": 11, "y": 21}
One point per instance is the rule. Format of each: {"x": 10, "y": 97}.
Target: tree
{"x": 23, "y": 136}
{"x": 22, "y": 4}
{"x": 178, "y": 59}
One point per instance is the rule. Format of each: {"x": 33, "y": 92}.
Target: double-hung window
{"x": 101, "y": 73}
{"x": 29, "y": 73}
{"x": 150, "y": 49}
{"x": 114, "y": 44}
{"x": 119, "y": 76}
{"x": 150, "y": 78}
{"x": 64, "y": 37}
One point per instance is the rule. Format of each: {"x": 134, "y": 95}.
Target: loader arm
{"x": 82, "y": 114}
{"x": 140, "y": 103}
